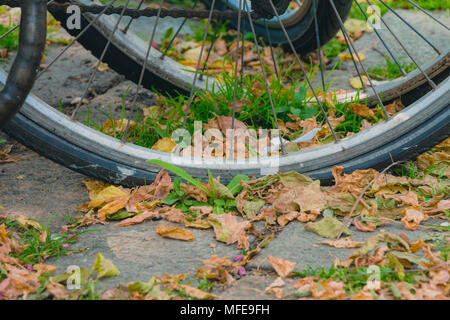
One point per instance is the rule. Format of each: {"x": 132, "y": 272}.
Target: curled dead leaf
{"x": 282, "y": 267}
{"x": 175, "y": 233}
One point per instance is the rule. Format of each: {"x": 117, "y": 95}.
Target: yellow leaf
{"x": 282, "y": 267}
{"x": 175, "y": 233}
{"x": 165, "y": 145}
{"x": 355, "y": 82}
{"x": 104, "y": 267}
{"x": 102, "y": 67}
{"x": 361, "y": 110}
{"x": 25, "y": 222}
{"x": 105, "y": 196}
{"x": 344, "y": 56}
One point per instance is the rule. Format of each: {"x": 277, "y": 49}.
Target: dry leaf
{"x": 412, "y": 218}
{"x": 343, "y": 243}
{"x": 165, "y": 145}
{"x": 175, "y": 233}
{"x": 196, "y": 293}
{"x": 361, "y": 110}
{"x": 227, "y": 228}
{"x": 138, "y": 219}
{"x": 282, "y": 267}
{"x": 356, "y": 83}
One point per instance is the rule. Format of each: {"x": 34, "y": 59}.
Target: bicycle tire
{"x": 303, "y": 34}
{"x": 52, "y": 134}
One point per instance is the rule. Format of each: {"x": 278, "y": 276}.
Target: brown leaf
{"x": 3, "y": 53}
{"x": 329, "y": 290}
{"x": 173, "y": 215}
{"x": 220, "y": 47}
{"x": 227, "y": 228}
{"x": 410, "y": 198}
{"x": 25, "y": 222}
{"x": 412, "y": 218}
{"x": 117, "y": 126}
{"x": 175, "y": 233}
{"x": 364, "y": 227}
{"x": 57, "y": 290}
{"x": 41, "y": 268}
{"x": 194, "y": 192}
{"x": 225, "y": 123}
{"x": 343, "y": 243}
{"x": 198, "y": 224}
{"x": 286, "y": 218}
{"x": 138, "y": 219}
{"x": 361, "y": 110}
{"x": 282, "y": 267}
{"x": 4, "y": 155}
{"x": 19, "y": 282}
{"x": 196, "y": 293}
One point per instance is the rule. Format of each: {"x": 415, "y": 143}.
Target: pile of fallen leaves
{"x": 372, "y": 198}
{"x": 18, "y": 278}
{"x": 366, "y": 198}
{"x": 298, "y": 134}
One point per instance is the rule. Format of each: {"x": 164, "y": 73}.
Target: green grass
{"x": 11, "y": 41}
{"x": 255, "y": 113}
{"x": 355, "y": 279}
{"x": 390, "y": 70}
{"x": 36, "y": 250}
{"x": 426, "y": 4}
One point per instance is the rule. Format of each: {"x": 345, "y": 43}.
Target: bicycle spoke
{"x": 411, "y": 27}
{"x": 127, "y": 27}
{"x": 205, "y": 65}
{"x": 352, "y": 55}
{"x": 431, "y": 82}
{"x": 344, "y": 31}
{"x": 319, "y": 51}
{"x": 336, "y": 138}
{"x": 10, "y": 31}
{"x": 271, "y": 48}
{"x": 180, "y": 27}
{"x": 105, "y": 49}
{"x": 381, "y": 39}
{"x": 82, "y": 32}
{"x": 236, "y": 57}
{"x": 242, "y": 51}
{"x": 428, "y": 14}
{"x": 191, "y": 94}
{"x": 144, "y": 67}
{"x": 275, "y": 118}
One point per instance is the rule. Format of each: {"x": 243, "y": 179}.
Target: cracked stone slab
{"x": 296, "y": 244}
{"x": 139, "y": 252}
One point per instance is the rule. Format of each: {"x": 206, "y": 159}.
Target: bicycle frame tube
{"x": 32, "y": 37}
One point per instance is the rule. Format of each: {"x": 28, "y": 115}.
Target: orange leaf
{"x": 175, "y": 233}
{"x": 282, "y": 267}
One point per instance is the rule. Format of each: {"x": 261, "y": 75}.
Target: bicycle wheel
{"x": 409, "y": 132}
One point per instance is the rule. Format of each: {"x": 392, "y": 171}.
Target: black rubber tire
{"x": 303, "y": 33}
{"x": 46, "y": 143}
{"x": 95, "y": 42}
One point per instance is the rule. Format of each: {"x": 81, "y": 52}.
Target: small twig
{"x": 361, "y": 195}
